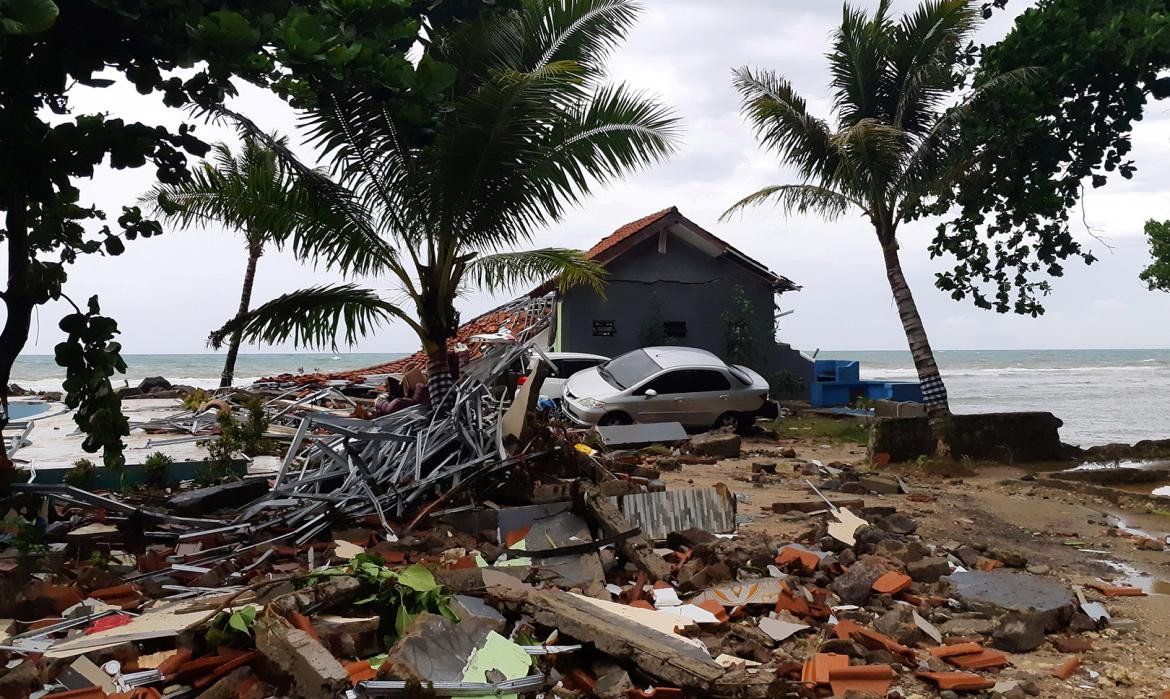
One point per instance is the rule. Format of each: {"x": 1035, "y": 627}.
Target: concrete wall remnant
{"x": 1009, "y": 437}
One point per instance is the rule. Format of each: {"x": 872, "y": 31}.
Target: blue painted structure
{"x": 838, "y": 382}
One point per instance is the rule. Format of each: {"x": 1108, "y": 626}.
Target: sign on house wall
{"x": 604, "y": 328}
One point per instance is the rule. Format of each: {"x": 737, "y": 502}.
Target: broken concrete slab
{"x": 314, "y": 670}
{"x": 928, "y": 570}
{"x": 642, "y": 433}
{"x": 881, "y": 485}
{"x": 997, "y": 592}
{"x": 436, "y": 649}
{"x": 717, "y": 443}
{"x": 235, "y": 494}
{"x": 812, "y": 504}
{"x": 1019, "y": 632}
{"x": 617, "y": 630}
{"x": 855, "y": 586}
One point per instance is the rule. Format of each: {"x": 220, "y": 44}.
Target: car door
{"x": 667, "y": 406}
{"x": 706, "y": 398}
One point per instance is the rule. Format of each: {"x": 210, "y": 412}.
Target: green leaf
{"x": 402, "y": 620}
{"x": 236, "y": 621}
{"x": 432, "y": 77}
{"x": 114, "y": 245}
{"x": 27, "y": 16}
{"x": 228, "y": 31}
{"x": 418, "y": 578}
{"x": 445, "y": 610}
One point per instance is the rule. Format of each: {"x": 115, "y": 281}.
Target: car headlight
{"x": 591, "y": 403}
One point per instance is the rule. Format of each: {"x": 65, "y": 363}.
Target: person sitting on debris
{"x": 414, "y": 388}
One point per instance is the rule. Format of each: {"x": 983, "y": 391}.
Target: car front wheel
{"x": 614, "y": 419}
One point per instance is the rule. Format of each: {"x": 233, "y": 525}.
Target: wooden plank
{"x": 637, "y": 549}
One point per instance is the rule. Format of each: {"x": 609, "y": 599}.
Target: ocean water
{"x": 1102, "y": 396}
{"x": 39, "y": 372}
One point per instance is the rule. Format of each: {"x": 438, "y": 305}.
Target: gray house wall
{"x": 682, "y": 284}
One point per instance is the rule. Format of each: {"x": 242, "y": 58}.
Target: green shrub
{"x": 82, "y": 474}
{"x": 194, "y": 399}
{"x": 156, "y": 469}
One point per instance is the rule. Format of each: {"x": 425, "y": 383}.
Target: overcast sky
{"x": 168, "y": 292}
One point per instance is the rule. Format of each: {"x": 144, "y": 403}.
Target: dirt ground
{"x": 1130, "y": 659}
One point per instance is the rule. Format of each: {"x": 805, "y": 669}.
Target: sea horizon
{"x": 1102, "y": 395}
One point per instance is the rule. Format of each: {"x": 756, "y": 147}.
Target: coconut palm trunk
{"x": 892, "y": 150}
{"x": 934, "y": 392}
{"x": 255, "y": 250}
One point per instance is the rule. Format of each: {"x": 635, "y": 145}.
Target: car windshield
{"x": 628, "y": 369}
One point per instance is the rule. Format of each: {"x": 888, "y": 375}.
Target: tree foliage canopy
{"x": 532, "y": 125}
{"x": 1036, "y": 142}
{"x": 1157, "y": 274}
{"x": 189, "y": 53}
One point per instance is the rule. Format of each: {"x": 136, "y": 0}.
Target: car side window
{"x": 687, "y": 381}
{"x": 706, "y": 380}
{"x": 670, "y": 382}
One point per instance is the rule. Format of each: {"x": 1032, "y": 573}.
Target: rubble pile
{"x": 494, "y": 552}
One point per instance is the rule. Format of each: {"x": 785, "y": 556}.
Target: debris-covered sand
{"x": 1067, "y": 536}
{"x": 481, "y": 547}
{"x": 784, "y": 606}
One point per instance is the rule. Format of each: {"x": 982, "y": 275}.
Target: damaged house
{"x": 671, "y": 282}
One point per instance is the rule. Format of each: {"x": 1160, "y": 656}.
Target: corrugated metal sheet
{"x": 658, "y": 514}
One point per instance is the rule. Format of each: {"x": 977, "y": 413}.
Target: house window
{"x": 604, "y": 328}
{"x": 675, "y": 328}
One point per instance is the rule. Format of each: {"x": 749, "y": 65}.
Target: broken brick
{"x": 892, "y": 583}
{"x": 1067, "y": 668}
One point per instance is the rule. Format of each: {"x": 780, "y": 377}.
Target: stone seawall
{"x": 1008, "y": 437}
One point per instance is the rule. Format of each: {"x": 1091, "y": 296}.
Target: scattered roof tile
{"x": 869, "y": 679}
{"x": 957, "y": 681}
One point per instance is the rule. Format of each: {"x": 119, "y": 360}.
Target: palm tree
{"x": 276, "y": 209}
{"x": 891, "y": 150}
{"x": 529, "y": 127}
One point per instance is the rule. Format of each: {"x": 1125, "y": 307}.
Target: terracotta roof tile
{"x": 866, "y": 679}
{"x": 489, "y": 322}
{"x": 958, "y": 681}
{"x": 626, "y": 231}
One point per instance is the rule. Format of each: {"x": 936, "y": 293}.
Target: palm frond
{"x": 923, "y": 51}
{"x": 782, "y": 122}
{"x": 352, "y": 242}
{"x": 580, "y": 31}
{"x": 870, "y": 155}
{"x": 313, "y": 317}
{"x": 543, "y": 161}
{"x": 798, "y": 198}
{"x": 858, "y": 61}
{"x": 508, "y": 270}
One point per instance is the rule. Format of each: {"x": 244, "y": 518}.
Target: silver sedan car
{"x": 665, "y": 384}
